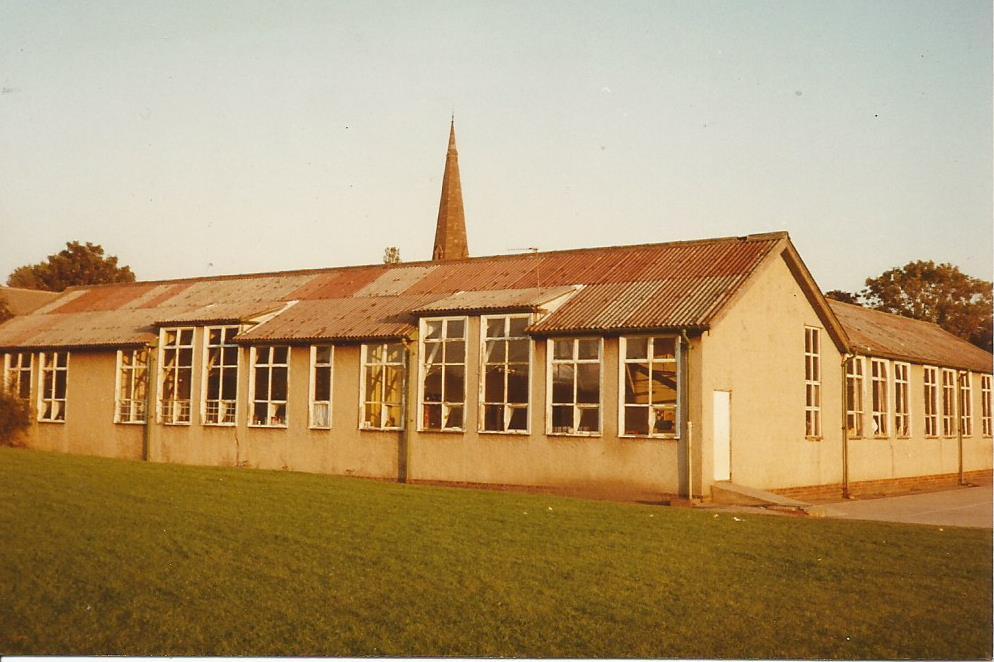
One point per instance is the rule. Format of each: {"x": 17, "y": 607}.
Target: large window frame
{"x": 53, "y": 394}
{"x": 18, "y": 373}
{"x": 577, "y": 408}
{"x": 378, "y": 362}
{"x": 442, "y": 353}
{"x": 985, "y": 405}
{"x": 855, "y": 385}
{"x": 131, "y": 387}
{"x": 217, "y": 373}
{"x": 265, "y": 361}
{"x": 879, "y": 398}
{"x": 321, "y": 387}
{"x": 930, "y": 381}
{"x": 966, "y": 403}
{"x": 500, "y": 363}
{"x": 656, "y": 409}
{"x": 902, "y": 399}
{"x": 812, "y": 382}
{"x": 948, "y": 402}
{"x": 174, "y": 376}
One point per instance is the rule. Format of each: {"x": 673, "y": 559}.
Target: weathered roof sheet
{"x": 220, "y": 312}
{"x": 890, "y": 336}
{"x": 22, "y": 301}
{"x": 527, "y": 299}
{"x": 115, "y": 328}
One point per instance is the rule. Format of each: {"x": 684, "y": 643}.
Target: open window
{"x": 854, "y": 397}
{"x": 878, "y": 387}
{"x": 381, "y": 386}
{"x": 902, "y": 385}
{"x": 132, "y": 386}
{"x": 269, "y": 386}
{"x": 931, "y": 408}
{"x": 574, "y": 386}
{"x": 54, "y": 387}
{"x": 650, "y": 395}
{"x": 506, "y": 368}
{"x": 322, "y": 359}
{"x": 175, "y": 375}
{"x": 220, "y": 400}
{"x": 17, "y": 374}
{"x": 443, "y": 370}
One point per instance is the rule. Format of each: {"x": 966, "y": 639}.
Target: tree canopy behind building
{"x": 77, "y": 264}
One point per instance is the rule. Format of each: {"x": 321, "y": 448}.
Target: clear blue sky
{"x": 194, "y": 138}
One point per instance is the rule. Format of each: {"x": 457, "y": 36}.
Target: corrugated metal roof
{"x": 221, "y": 312}
{"x": 88, "y": 329}
{"x": 881, "y": 334}
{"x": 21, "y": 301}
{"x": 528, "y": 299}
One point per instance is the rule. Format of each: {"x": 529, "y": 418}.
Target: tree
{"x": 78, "y": 264}
{"x": 5, "y": 313}
{"x": 391, "y": 255}
{"x": 938, "y": 293}
{"x": 843, "y": 296}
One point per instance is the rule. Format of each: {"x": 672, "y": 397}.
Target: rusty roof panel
{"x": 395, "y": 281}
{"x": 216, "y": 313}
{"x": 103, "y": 298}
{"x": 529, "y": 299}
{"x": 69, "y": 330}
{"x": 877, "y": 333}
{"x": 336, "y": 283}
{"x": 21, "y": 301}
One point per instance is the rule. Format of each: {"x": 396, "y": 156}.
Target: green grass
{"x": 102, "y": 556}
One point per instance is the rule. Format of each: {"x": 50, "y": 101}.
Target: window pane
{"x": 519, "y": 419}
{"x": 433, "y": 329}
{"x": 590, "y": 420}
{"x": 322, "y": 384}
{"x": 279, "y": 384}
{"x": 588, "y": 348}
{"x": 320, "y": 415}
{"x": 517, "y": 386}
{"x": 664, "y": 348}
{"x": 455, "y": 351}
{"x": 214, "y": 337}
{"x": 517, "y": 351}
{"x": 636, "y": 383}
{"x": 392, "y": 416}
{"x": 214, "y": 385}
{"x": 493, "y": 418}
{"x": 562, "y": 419}
{"x": 432, "y": 417}
{"x": 455, "y": 329}
{"x": 637, "y": 420}
{"x": 454, "y": 379}
{"x": 322, "y": 355}
{"x": 562, "y": 383}
{"x": 664, "y": 383}
{"x": 372, "y": 414}
{"x": 433, "y": 384}
{"x": 665, "y": 420}
{"x": 636, "y": 348}
{"x": 395, "y": 353}
{"x": 229, "y": 384}
{"x": 493, "y": 384}
{"x": 495, "y": 351}
{"x": 262, "y": 383}
{"x": 518, "y": 326}
{"x": 453, "y": 418}
{"x": 495, "y": 328}
{"x": 562, "y": 349}
{"x": 394, "y": 377}
{"x": 588, "y": 383}
{"x": 186, "y": 337}
{"x": 280, "y": 354}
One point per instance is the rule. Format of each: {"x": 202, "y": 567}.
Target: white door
{"x": 722, "y": 435}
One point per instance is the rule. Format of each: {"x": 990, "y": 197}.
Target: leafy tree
{"x": 77, "y": 264}
{"x": 15, "y": 416}
{"x": 939, "y": 293}
{"x": 391, "y": 255}
{"x": 5, "y": 313}
{"x": 843, "y": 296}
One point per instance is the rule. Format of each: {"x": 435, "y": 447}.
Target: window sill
{"x": 318, "y": 427}
{"x": 372, "y": 429}
{"x": 129, "y": 423}
{"x": 259, "y": 426}
{"x": 219, "y": 425}
{"x": 443, "y": 431}
{"x": 881, "y": 436}
{"x": 813, "y": 438}
{"x": 506, "y": 433}
{"x": 176, "y": 424}
{"x": 574, "y": 434}
{"x": 649, "y": 437}
{"x": 46, "y": 420}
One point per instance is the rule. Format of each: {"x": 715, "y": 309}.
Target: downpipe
{"x": 688, "y": 426}
{"x": 845, "y": 427}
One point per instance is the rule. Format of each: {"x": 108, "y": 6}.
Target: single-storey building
{"x": 659, "y": 369}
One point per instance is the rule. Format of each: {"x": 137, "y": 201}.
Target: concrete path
{"x": 964, "y": 506}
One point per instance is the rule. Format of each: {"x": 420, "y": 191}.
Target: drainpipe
{"x": 845, "y": 428}
{"x": 151, "y": 381}
{"x": 959, "y": 422}
{"x": 403, "y": 436}
{"x": 686, "y": 424}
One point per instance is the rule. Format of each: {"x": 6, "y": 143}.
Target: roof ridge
{"x": 760, "y": 236}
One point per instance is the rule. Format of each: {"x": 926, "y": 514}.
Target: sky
{"x": 201, "y": 138}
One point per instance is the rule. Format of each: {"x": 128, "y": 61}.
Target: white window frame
{"x": 137, "y": 408}
{"x": 253, "y": 364}
{"x": 508, "y": 407}
{"x": 549, "y": 363}
{"x": 948, "y": 399}
{"x": 858, "y": 378}
{"x": 9, "y": 370}
{"x": 42, "y": 399}
{"x": 966, "y": 403}
{"x": 985, "y": 405}
{"x": 175, "y": 405}
{"x": 812, "y": 383}
{"x": 422, "y": 371}
{"x": 623, "y": 360}
{"x": 365, "y": 363}
{"x": 205, "y": 375}
{"x": 902, "y": 406}
{"x": 932, "y": 401}
{"x": 312, "y": 386}
{"x": 880, "y": 397}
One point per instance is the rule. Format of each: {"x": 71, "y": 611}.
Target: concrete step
{"x": 728, "y": 493}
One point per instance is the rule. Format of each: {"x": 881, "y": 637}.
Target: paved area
{"x": 964, "y": 506}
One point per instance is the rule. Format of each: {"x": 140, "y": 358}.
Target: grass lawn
{"x": 102, "y": 556}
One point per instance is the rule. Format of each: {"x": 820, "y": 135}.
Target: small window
{"x": 985, "y": 405}
{"x": 322, "y": 357}
{"x": 854, "y": 397}
{"x": 132, "y": 386}
{"x": 574, "y": 386}
{"x": 54, "y": 386}
{"x": 902, "y": 417}
{"x": 812, "y": 382}
{"x": 878, "y": 386}
{"x": 506, "y": 358}
{"x": 966, "y": 403}
{"x": 270, "y": 380}
{"x": 651, "y": 386}
{"x": 443, "y": 387}
{"x": 931, "y": 408}
{"x": 17, "y": 374}
{"x": 175, "y": 375}
{"x": 381, "y": 387}
{"x": 221, "y": 376}
{"x": 948, "y": 402}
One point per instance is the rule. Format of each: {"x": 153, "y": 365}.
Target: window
{"x": 506, "y": 362}
{"x": 221, "y": 376}
{"x": 443, "y": 385}
{"x": 175, "y": 375}
{"x": 322, "y": 357}
{"x": 17, "y": 374}
{"x": 270, "y": 377}
{"x": 985, "y": 405}
{"x": 902, "y": 417}
{"x": 878, "y": 385}
{"x": 382, "y": 386}
{"x": 651, "y": 387}
{"x": 132, "y": 386}
{"x": 575, "y": 386}
{"x": 854, "y": 397}
{"x": 931, "y": 402}
{"x": 966, "y": 403}
{"x": 948, "y": 402}
{"x": 54, "y": 385}
{"x": 812, "y": 382}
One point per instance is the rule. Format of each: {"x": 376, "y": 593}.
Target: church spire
{"x": 450, "y": 231}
